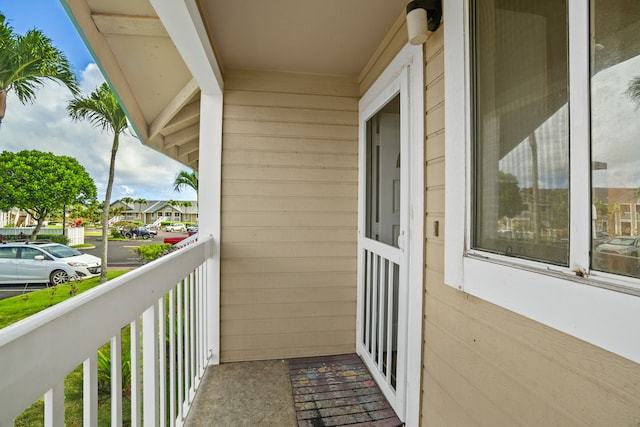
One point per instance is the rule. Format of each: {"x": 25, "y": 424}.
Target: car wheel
{"x": 128, "y": 235}
{"x": 58, "y": 277}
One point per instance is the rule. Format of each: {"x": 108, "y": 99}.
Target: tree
{"x": 126, "y": 200}
{"x": 186, "y": 179}
{"x": 41, "y": 183}
{"x": 633, "y": 91}
{"x": 26, "y": 62}
{"x": 510, "y": 200}
{"x": 101, "y": 109}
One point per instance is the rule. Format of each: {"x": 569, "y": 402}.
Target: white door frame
{"x": 405, "y": 76}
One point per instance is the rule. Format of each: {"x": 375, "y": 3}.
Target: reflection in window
{"x": 615, "y": 135}
{"x": 521, "y": 161}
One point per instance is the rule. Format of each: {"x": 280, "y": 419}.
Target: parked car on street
{"x": 138, "y": 233}
{"x": 619, "y": 254}
{"x": 175, "y": 227}
{"x": 52, "y": 263}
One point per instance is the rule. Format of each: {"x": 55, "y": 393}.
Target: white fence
{"x": 74, "y": 234}
{"x": 165, "y": 304}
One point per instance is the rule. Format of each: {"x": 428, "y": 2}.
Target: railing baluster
{"x": 390, "y": 315}
{"x": 381, "y": 311}
{"x": 116, "y": 380}
{"x": 136, "y": 416}
{"x": 54, "y": 406}
{"x": 149, "y": 365}
{"x": 192, "y": 330}
{"x": 367, "y": 303}
{"x": 162, "y": 361}
{"x": 172, "y": 359}
{"x": 375, "y": 283}
{"x": 90, "y": 391}
{"x": 180, "y": 350}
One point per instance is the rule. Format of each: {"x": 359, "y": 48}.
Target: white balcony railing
{"x": 166, "y": 305}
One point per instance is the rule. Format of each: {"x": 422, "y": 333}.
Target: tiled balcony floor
{"x": 328, "y": 390}
{"x": 244, "y": 394}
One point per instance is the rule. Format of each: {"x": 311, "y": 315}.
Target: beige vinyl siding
{"x": 486, "y": 366}
{"x": 289, "y": 215}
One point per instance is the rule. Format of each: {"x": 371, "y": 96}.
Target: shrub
{"x": 152, "y": 251}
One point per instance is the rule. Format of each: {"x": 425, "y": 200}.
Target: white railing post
{"x": 90, "y": 391}
{"x": 136, "y": 394}
{"x": 162, "y": 361}
{"x": 150, "y": 366}
{"x": 54, "y": 406}
{"x": 116, "y": 380}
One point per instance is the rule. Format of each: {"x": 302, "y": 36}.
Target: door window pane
{"x": 615, "y": 135}
{"x": 521, "y": 155}
{"x": 383, "y": 174}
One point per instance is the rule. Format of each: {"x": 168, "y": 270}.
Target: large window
{"x": 521, "y": 162}
{"x": 542, "y": 146}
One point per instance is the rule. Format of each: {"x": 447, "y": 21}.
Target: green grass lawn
{"x": 17, "y": 308}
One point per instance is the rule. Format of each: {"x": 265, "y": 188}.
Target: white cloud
{"x": 45, "y": 125}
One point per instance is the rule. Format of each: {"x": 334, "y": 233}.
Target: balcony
{"x": 166, "y": 310}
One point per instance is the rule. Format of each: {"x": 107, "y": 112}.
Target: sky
{"x": 141, "y": 172}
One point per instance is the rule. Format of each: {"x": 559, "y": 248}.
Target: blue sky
{"x": 140, "y": 171}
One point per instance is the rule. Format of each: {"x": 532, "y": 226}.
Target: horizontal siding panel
{"x": 285, "y": 352}
{"x": 287, "y": 311}
{"x": 318, "y": 295}
{"x": 292, "y": 219}
{"x": 482, "y": 389}
{"x": 289, "y": 215}
{"x": 535, "y": 371}
{"x": 307, "y": 84}
{"x": 290, "y": 100}
{"x": 262, "y": 342}
{"x": 289, "y": 115}
{"x": 292, "y": 265}
{"x": 283, "y": 173}
{"x": 435, "y": 173}
{"x": 292, "y": 189}
{"x": 434, "y": 45}
{"x": 291, "y": 280}
{"x": 435, "y": 199}
{"x": 276, "y": 144}
{"x": 287, "y": 250}
{"x": 435, "y": 255}
{"x": 435, "y": 94}
{"x": 265, "y": 326}
{"x": 435, "y": 146}
{"x": 281, "y": 234}
{"x": 288, "y": 204}
{"x": 435, "y": 120}
{"x": 434, "y": 67}
{"x": 299, "y": 160}
{"x": 293, "y": 130}
{"x": 437, "y": 401}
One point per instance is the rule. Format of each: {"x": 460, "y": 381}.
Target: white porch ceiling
{"x": 129, "y": 41}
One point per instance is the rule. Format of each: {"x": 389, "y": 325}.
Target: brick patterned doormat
{"x": 338, "y": 391}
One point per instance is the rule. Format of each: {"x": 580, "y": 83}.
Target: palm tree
{"x": 26, "y": 62}
{"x": 101, "y": 109}
{"x": 633, "y": 91}
{"x": 186, "y": 179}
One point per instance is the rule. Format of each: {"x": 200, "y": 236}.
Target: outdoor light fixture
{"x": 423, "y": 16}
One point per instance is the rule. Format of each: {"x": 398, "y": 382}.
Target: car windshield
{"x": 621, "y": 241}
{"x": 61, "y": 251}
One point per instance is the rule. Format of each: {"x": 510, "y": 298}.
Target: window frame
{"x": 594, "y": 306}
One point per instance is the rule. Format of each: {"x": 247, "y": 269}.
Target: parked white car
{"x": 175, "y": 227}
{"x": 45, "y": 263}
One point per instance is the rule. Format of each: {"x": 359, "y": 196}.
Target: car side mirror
{"x": 39, "y": 257}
